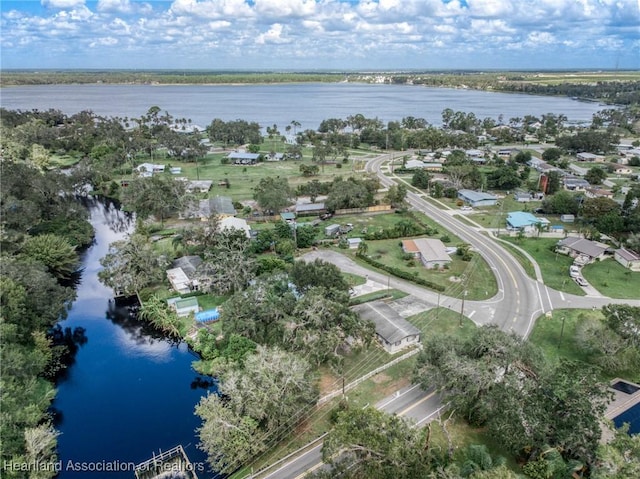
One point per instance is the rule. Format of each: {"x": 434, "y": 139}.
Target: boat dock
{"x": 171, "y": 464}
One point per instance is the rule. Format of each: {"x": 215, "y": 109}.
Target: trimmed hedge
{"x": 401, "y": 273}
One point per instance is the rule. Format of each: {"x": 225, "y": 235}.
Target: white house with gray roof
{"x": 574, "y": 246}
{"x": 393, "y": 331}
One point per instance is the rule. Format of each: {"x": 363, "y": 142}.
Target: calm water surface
{"x": 307, "y": 103}
{"x": 129, "y": 393}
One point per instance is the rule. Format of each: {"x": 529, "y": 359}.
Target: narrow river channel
{"x": 130, "y": 392}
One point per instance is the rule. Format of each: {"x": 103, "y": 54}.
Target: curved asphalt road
{"x": 520, "y": 300}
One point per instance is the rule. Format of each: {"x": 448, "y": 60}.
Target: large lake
{"x": 307, "y": 103}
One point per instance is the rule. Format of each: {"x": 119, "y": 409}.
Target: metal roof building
{"x": 393, "y": 331}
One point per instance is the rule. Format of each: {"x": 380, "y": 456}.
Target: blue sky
{"x": 320, "y": 34}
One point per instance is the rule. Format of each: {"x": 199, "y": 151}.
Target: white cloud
{"x": 273, "y": 35}
{"x": 62, "y": 3}
{"x": 114, "y": 6}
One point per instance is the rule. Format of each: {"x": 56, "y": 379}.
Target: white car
{"x": 466, "y": 208}
{"x": 574, "y": 271}
{"x": 581, "y": 281}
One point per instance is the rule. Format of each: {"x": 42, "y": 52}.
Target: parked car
{"x": 466, "y": 208}
{"x": 574, "y": 271}
{"x": 581, "y": 281}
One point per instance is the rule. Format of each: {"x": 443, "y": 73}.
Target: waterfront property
{"x": 182, "y": 275}
{"x": 184, "y": 306}
{"x": 392, "y": 330}
{"x": 477, "y": 198}
{"x": 173, "y": 463}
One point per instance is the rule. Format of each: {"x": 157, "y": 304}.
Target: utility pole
{"x": 464, "y": 295}
{"x": 561, "y": 331}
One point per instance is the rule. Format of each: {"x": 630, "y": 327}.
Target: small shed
{"x": 567, "y": 218}
{"x": 332, "y": 230}
{"x": 184, "y": 306}
{"x": 353, "y": 243}
{"x": 288, "y": 217}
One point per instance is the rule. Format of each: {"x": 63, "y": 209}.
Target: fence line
{"x": 370, "y": 374}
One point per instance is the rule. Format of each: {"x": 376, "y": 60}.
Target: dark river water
{"x": 306, "y": 103}
{"x": 130, "y": 392}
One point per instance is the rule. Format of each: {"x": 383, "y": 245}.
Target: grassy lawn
{"x": 612, "y": 279}
{"x": 443, "y": 321}
{"x": 481, "y": 283}
{"x": 390, "y": 294}
{"x": 554, "y": 267}
{"x": 522, "y": 259}
{"x": 354, "y": 279}
{"x": 556, "y": 343}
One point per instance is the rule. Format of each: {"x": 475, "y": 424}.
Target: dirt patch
{"x": 328, "y": 383}
{"x": 380, "y": 378}
{"x": 454, "y": 279}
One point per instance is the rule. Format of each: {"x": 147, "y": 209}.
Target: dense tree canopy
{"x": 503, "y": 383}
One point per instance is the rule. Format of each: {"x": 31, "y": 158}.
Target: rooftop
{"x": 476, "y": 195}
{"x": 583, "y": 246}
{"x": 389, "y": 324}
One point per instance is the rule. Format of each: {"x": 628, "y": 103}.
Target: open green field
{"x": 556, "y": 343}
{"x": 554, "y": 266}
{"x": 612, "y": 279}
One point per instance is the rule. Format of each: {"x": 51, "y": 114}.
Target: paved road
{"x": 412, "y": 402}
{"x": 520, "y": 300}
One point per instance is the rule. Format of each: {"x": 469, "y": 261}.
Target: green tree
{"x": 156, "y": 311}
{"x": 396, "y": 195}
{"x": 563, "y": 202}
{"x": 595, "y": 208}
{"x": 369, "y": 443}
{"x": 131, "y": 265}
{"x": 55, "y": 252}
{"x": 272, "y": 194}
{"x": 318, "y": 273}
{"x": 158, "y": 195}
{"x": 503, "y": 383}
{"x": 421, "y": 179}
{"x": 551, "y": 155}
{"x": 596, "y": 175}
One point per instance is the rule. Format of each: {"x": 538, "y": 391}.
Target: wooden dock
{"x": 171, "y": 464}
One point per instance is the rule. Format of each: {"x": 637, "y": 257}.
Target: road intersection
{"x": 519, "y": 301}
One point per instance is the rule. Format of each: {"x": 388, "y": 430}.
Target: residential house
{"x": 147, "y": 170}
{"x": 477, "y": 198}
{"x": 580, "y": 247}
{"x": 590, "y": 157}
{"x": 183, "y": 276}
{"x": 573, "y": 183}
{"x": 414, "y": 164}
{"x": 199, "y": 186}
{"x": 594, "y": 192}
{"x": 522, "y": 197}
{"x": 243, "y": 158}
{"x": 526, "y": 222}
{"x": 627, "y": 258}
{"x": 218, "y": 205}
{"x": 184, "y": 306}
{"x": 431, "y": 252}
{"x": 433, "y": 166}
{"x": 230, "y": 222}
{"x": 393, "y": 331}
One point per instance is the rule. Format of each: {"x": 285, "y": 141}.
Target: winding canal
{"x": 130, "y": 393}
